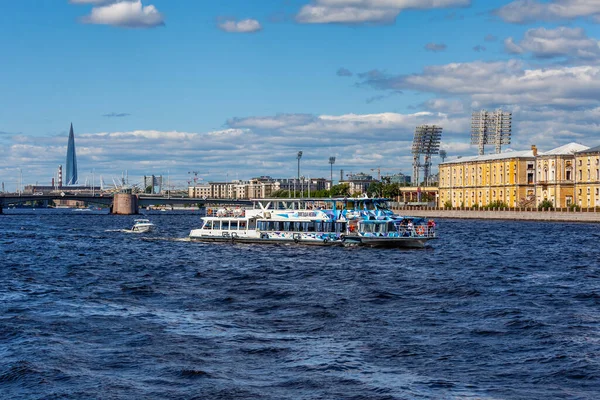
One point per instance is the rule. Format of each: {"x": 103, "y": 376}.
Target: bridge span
{"x": 119, "y": 203}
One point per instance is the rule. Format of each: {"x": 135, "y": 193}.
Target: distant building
{"x": 556, "y": 175}
{"x": 256, "y": 188}
{"x": 587, "y": 176}
{"x": 358, "y": 183}
{"x": 71, "y": 175}
{"x": 507, "y": 177}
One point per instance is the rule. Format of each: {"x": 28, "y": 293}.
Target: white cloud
{"x": 445, "y": 106}
{"x": 310, "y": 14}
{"x": 247, "y": 147}
{"x": 366, "y": 11}
{"x": 503, "y": 83}
{"x": 130, "y": 14}
{"x": 243, "y": 26}
{"x": 560, "y": 42}
{"x": 511, "y": 47}
{"x": 521, "y": 11}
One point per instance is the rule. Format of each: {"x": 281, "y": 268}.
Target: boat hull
{"x": 142, "y": 229}
{"x": 401, "y": 242}
{"x": 247, "y": 240}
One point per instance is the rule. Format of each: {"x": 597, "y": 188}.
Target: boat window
{"x": 217, "y": 225}
{"x": 326, "y": 226}
{"x": 318, "y": 226}
{"x": 252, "y": 224}
{"x": 242, "y": 225}
{"x": 233, "y": 225}
{"x": 305, "y": 226}
{"x": 208, "y": 225}
{"x": 286, "y": 226}
{"x": 391, "y": 227}
{"x": 225, "y": 225}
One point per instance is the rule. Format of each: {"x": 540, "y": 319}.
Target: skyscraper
{"x": 71, "y": 175}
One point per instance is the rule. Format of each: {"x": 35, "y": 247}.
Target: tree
{"x": 340, "y": 190}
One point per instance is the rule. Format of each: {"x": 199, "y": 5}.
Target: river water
{"x": 492, "y": 310}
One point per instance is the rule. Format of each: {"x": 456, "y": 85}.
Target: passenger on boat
{"x": 430, "y": 227}
{"x": 410, "y": 228}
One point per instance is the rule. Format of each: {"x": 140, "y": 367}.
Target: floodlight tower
{"x": 331, "y": 162}
{"x": 299, "y": 156}
{"x": 427, "y": 142}
{"x": 443, "y": 155}
{"x": 491, "y": 127}
{"x": 502, "y": 129}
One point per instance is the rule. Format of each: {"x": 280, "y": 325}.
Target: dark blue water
{"x": 493, "y": 310}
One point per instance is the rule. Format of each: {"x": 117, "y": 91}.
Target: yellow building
{"x": 507, "y": 178}
{"x": 555, "y": 181}
{"x": 587, "y": 177}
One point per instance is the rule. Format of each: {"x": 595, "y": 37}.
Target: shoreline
{"x": 512, "y": 215}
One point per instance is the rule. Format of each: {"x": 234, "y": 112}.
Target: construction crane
{"x": 195, "y": 177}
{"x": 379, "y": 169}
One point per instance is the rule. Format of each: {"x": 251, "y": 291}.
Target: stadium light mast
{"x": 491, "y": 127}
{"x": 299, "y": 156}
{"x": 427, "y": 142}
{"x": 331, "y": 162}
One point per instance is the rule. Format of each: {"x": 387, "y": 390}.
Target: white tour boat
{"x": 330, "y": 221}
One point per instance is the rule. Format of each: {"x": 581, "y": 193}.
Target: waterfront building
{"x": 555, "y": 175}
{"x": 358, "y": 183}
{"x": 255, "y": 188}
{"x": 477, "y": 181}
{"x": 71, "y": 175}
{"x": 587, "y": 176}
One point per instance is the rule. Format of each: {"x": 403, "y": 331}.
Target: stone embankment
{"x": 583, "y": 215}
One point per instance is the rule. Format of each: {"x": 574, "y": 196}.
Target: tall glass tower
{"x": 71, "y": 176}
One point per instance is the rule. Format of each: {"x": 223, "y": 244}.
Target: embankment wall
{"x": 514, "y": 215}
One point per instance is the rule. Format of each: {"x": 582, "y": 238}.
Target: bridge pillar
{"x": 124, "y": 204}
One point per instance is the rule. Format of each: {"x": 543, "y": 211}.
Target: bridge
{"x": 119, "y": 203}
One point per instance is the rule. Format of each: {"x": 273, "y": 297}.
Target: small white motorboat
{"x": 142, "y": 225}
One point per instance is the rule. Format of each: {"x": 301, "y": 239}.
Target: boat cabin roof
{"x": 316, "y": 203}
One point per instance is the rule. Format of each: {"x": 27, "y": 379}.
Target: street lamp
{"x": 299, "y": 157}
{"x": 331, "y": 162}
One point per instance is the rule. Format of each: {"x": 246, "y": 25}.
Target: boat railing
{"x": 404, "y": 231}
{"x": 416, "y": 231}
{"x": 225, "y": 212}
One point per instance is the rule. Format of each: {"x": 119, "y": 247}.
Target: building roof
{"x": 591, "y": 150}
{"x": 492, "y": 157}
{"x": 566, "y": 150}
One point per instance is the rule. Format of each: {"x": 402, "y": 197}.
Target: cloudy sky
{"x": 234, "y": 88}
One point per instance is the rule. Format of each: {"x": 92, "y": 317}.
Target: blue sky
{"x": 234, "y": 88}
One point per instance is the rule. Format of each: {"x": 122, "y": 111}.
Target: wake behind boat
{"x": 323, "y": 222}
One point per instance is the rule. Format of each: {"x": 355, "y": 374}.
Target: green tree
{"x": 342, "y": 190}
{"x": 546, "y": 204}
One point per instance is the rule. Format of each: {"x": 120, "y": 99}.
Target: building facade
{"x": 507, "y": 178}
{"x": 566, "y": 176}
{"x": 587, "y": 177}
{"x": 556, "y": 175}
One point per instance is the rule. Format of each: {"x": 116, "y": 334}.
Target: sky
{"x": 233, "y": 89}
